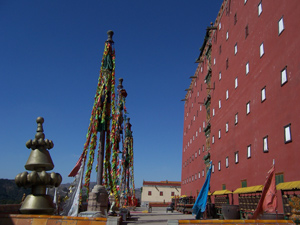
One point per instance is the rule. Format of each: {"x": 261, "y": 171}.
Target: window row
{"x": 161, "y": 193}
{"x": 279, "y": 178}
{"x": 236, "y": 160}
{"x": 284, "y": 79}
{"x": 260, "y": 10}
{"x": 287, "y": 139}
{"x": 261, "y": 53}
{"x": 287, "y": 134}
{"x": 193, "y": 138}
{"x": 194, "y": 117}
{"x": 194, "y": 177}
{"x": 281, "y": 28}
{"x": 194, "y": 156}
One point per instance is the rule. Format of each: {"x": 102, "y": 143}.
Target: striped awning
{"x": 251, "y": 189}
{"x": 288, "y": 185}
{"x": 222, "y": 192}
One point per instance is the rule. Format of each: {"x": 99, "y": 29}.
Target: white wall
{"x": 155, "y": 194}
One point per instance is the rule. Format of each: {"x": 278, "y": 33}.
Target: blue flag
{"x": 200, "y": 204}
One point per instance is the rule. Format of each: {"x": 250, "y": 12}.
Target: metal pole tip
{"x": 110, "y": 33}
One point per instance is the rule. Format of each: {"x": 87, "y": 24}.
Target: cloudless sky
{"x": 50, "y": 56}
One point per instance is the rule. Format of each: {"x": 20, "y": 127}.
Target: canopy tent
{"x": 288, "y": 185}
{"x": 251, "y": 189}
{"x": 222, "y": 192}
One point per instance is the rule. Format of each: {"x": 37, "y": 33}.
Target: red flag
{"x": 77, "y": 167}
{"x": 268, "y": 200}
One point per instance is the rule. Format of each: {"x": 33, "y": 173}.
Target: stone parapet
{"x": 25, "y": 219}
{"x": 231, "y": 222}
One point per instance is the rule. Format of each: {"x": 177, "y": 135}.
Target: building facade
{"x": 241, "y": 109}
{"x": 159, "y": 192}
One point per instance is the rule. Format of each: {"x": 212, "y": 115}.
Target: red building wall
{"x": 266, "y": 118}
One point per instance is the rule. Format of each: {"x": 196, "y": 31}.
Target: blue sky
{"x": 50, "y": 55}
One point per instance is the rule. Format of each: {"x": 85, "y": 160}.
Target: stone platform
{"x": 230, "y": 222}
{"x": 22, "y": 219}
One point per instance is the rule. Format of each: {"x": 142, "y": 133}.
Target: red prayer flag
{"x": 74, "y": 171}
{"x": 268, "y": 200}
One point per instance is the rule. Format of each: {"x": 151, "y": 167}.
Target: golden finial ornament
{"x": 38, "y": 180}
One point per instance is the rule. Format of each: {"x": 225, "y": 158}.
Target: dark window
{"x": 236, "y": 118}
{"x": 223, "y": 186}
{"x": 149, "y": 193}
{"x": 172, "y": 193}
{"x": 227, "y": 63}
{"x": 244, "y": 183}
{"x": 161, "y": 193}
{"x": 279, "y": 178}
{"x": 235, "y": 18}
{"x": 220, "y": 49}
{"x": 246, "y": 32}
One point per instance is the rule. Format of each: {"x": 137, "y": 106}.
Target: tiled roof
{"x": 162, "y": 183}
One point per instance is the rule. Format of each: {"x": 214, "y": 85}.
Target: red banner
{"x": 268, "y": 200}
{"x": 74, "y": 171}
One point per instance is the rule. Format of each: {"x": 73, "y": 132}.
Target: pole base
{"x": 98, "y": 200}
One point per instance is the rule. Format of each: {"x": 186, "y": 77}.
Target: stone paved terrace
{"x": 139, "y": 216}
{"x": 158, "y": 216}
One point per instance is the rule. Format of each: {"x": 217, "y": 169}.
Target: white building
{"x": 159, "y": 193}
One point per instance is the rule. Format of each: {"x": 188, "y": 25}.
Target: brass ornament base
{"x": 37, "y": 204}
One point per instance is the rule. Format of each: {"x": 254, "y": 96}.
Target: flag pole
{"x": 276, "y": 211}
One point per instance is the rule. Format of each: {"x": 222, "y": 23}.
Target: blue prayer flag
{"x": 200, "y": 204}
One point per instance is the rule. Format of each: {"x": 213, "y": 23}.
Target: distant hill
{"x": 10, "y": 193}
{"x": 138, "y": 193}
